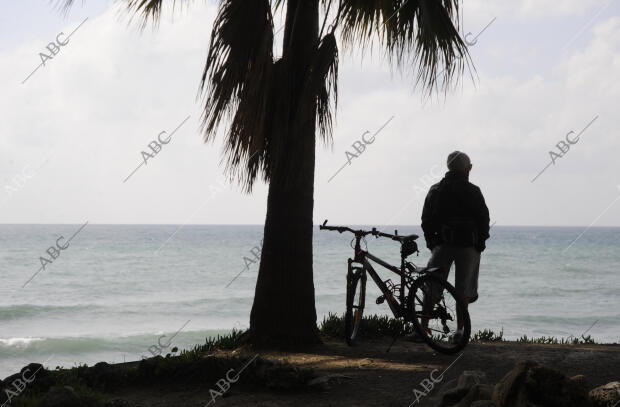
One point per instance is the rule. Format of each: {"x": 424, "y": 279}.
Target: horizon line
{"x": 261, "y": 224}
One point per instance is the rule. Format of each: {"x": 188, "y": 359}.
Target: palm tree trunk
{"x": 283, "y": 313}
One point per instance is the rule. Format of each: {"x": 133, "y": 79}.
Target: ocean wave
{"x": 29, "y": 310}
{"x": 19, "y": 342}
{"x": 25, "y": 311}
{"x": 136, "y": 344}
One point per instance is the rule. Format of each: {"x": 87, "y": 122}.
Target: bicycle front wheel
{"x": 439, "y": 314}
{"x": 356, "y": 296}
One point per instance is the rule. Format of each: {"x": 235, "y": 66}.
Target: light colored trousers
{"x": 467, "y": 265}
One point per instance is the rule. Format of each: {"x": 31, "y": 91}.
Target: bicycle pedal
{"x": 380, "y": 300}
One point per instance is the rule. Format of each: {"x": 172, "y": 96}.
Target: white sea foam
{"x": 20, "y": 342}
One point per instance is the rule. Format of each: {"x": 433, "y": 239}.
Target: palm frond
{"x": 147, "y": 10}
{"x": 422, "y": 32}
{"x": 323, "y": 85}
{"x": 237, "y": 83}
{"x": 63, "y": 6}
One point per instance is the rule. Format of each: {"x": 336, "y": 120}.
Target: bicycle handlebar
{"x": 358, "y": 232}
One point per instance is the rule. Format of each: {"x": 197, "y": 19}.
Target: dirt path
{"x": 376, "y": 378}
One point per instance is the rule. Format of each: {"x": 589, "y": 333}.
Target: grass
{"x": 487, "y": 335}
{"x": 552, "y": 340}
{"x": 223, "y": 342}
{"x": 375, "y": 326}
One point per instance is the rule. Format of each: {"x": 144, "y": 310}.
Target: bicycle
{"x": 429, "y": 302}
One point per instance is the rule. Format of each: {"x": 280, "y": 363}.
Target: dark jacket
{"x": 454, "y": 200}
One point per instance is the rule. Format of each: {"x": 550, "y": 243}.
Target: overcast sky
{"x": 75, "y": 129}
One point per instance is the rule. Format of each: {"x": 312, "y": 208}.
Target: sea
{"x": 80, "y": 294}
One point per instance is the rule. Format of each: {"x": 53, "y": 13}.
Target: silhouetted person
{"x": 455, "y": 220}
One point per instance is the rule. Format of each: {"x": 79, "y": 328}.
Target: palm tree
{"x": 276, "y": 107}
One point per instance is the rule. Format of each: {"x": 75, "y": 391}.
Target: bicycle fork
{"x": 351, "y": 271}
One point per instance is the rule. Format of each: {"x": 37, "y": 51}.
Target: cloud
{"x": 527, "y": 10}
{"x": 112, "y": 90}
{"x": 508, "y": 124}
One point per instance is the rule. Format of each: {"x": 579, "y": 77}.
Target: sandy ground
{"x": 374, "y": 377}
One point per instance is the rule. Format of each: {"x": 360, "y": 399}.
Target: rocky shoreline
{"x": 527, "y": 385}
{"x": 504, "y": 374}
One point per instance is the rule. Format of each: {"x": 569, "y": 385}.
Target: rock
{"x": 63, "y": 396}
{"x": 43, "y": 379}
{"x": 447, "y": 387}
{"x": 607, "y": 395}
{"x": 453, "y": 396}
{"x": 8, "y": 390}
{"x": 579, "y": 383}
{"x": 33, "y": 375}
{"x": 478, "y": 392}
{"x": 470, "y": 378}
{"x": 31, "y": 368}
{"x": 436, "y": 399}
{"x": 507, "y": 388}
{"x": 102, "y": 366}
{"x": 8, "y": 381}
{"x": 455, "y": 391}
{"x": 530, "y": 384}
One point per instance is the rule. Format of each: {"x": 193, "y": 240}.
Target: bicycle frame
{"x": 397, "y": 305}
{"x": 401, "y": 305}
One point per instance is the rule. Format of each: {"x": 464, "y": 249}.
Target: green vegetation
{"x": 375, "y": 326}
{"x": 488, "y": 335}
{"x": 223, "y": 342}
{"x": 552, "y": 340}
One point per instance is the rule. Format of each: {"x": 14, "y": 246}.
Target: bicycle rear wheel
{"x": 435, "y": 308}
{"x": 356, "y": 296}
